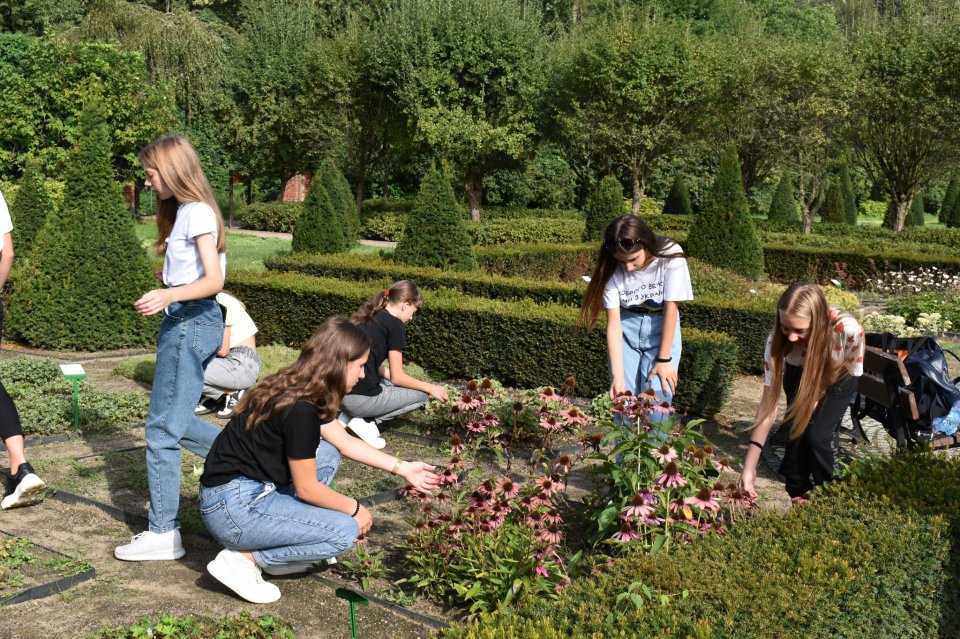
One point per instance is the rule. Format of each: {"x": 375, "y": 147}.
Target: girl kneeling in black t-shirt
{"x": 265, "y": 492}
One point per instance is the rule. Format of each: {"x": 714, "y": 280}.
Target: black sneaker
{"x": 207, "y": 406}
{"x": 23, "y": 489}
{"x": 230, "y": 403}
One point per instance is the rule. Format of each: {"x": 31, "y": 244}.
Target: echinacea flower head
{"x": 626, "y": 533}
{"x": 551, "y": 423}
{"x": 472, "y": 386}
{"x": 546, "y": 485}
{"x": 448, "y": 476}
{"x": 592, "y": 440}
{"x": 574, "y": 416}
{"x": 547, "y": 394}
{"x": 550, "y": 534}
{"x": 456, "y": 445}
{"x": 490, "y": 420}
{"x": 469, "y": 402}
{"x": 664, "y": 454}
{"x": 723, "y": 465}
{"x": 508, "y": 488}
{"x": 708, "y": 449}
{"x": 637, "y": 507}
{"x": 671, "y": 477}
{"x": 486, "y": 385}
{"x": 563, "y": 464}
{"x": 518, "y": 407}
{"x": 552, "y": 516}
{"x": 704, "y": 500}
{"x": 476, "y": 426}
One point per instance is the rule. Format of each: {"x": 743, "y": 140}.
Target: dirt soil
{"x": 124, "y": 592}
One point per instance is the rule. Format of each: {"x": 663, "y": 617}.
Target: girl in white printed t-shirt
{"x": 191, "y": 239}
{"x": 815, "y": 353}
{"x": 638, "y": 280}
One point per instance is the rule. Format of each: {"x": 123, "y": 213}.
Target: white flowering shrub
{"x": 922, "y": 280}
{"x": 925, "y": 324}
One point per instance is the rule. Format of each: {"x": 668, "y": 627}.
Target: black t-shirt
{"x": 386, "y": 333}
{"x": 262, "y": 453}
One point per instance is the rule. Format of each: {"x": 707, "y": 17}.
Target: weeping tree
{"x": 87, "y": 266}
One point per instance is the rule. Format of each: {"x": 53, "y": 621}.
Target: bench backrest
{"x": 884, "y": 381}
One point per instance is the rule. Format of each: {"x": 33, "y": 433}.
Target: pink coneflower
{"x": 456, "y": 445}
{"x": 637, "y": 507}
{"x": 708, "y": 449}
{"x": 490, "y": 420}
{"x": 652, "y": 520}
{"x": 541, "y": 571}
{"x": 592, "y": 440}
{"x": 455, "y": 463}
{"x": 724, "y": 465}
{"x": 418, "y": 495}
{"x": 552, "y": 516}
{"x": 563, "y": 464}
{"x": 472, "y": 386}
{"x": 486, "y": 385}
{"x": 551, "y": 534}
{"x": 362, "y": 539}
{"x": 476, "y": 426}
{"x": 704, "y": 500}
{"x": 671, "y": 477}
{"x": 547, "y": 486}
{"x": 679, "y": 506}
{"x": 480, "y": 500}
{"x": 548, "y": 395}
{"x": 526, "y": 502}
{"x": 534, "y": 519}
{"x": 574, "y": 416}
{"x": 508, "y": 488}
{"x": 626, "y": 533}
{"x": 664, "y": 454}
{"x": 454, "y": 410}
{"x": 541, "y": 500}
{"x": 699, "y": 457}
{"x": 469, "y": 402}
{"x": 662, "y": 408}
{"x": 551, "y": 423}
{"x": 448, "y": 476}
{"x": 740, "y": 499}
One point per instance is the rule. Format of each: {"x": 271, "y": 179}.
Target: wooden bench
{"x": 883, "y": 395}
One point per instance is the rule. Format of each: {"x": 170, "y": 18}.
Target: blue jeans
{"x": 248, "y": 515}
{"x": 392, "y": 401}
{"x": 641, "y": 344}
{"x": 190, "y": 335}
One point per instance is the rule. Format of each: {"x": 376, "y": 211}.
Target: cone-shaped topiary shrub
{"x": 605, "y": 204}
{"x": 86, "y": 266}
{"x": 722, "y": 233}
{"x": 783, "y": 206}
{"x": 678, "y": 201}
{"x": 950, "y": 197}
{"x": 834, "y": 209}
{"x": 338, "y": 190}
{"x": 436, "y": 233}
{"x": 319, "y": 229}
{"x": 849, "y": 197}
{"x": 29, "y": 210}
{"x": 915, "y": 216}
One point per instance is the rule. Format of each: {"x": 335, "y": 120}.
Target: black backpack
{"x": 930, "y": 382}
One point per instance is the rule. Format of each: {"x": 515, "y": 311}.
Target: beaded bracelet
{"x": 357, "y": 509}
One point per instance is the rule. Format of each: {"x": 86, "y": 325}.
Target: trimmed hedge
{"x": 789, "y": 262}
{"x": 278, "y": 217}
{"x": 841, "y": 566}
{"x": 389, "y": 227}
{"x": 520, "y": 343}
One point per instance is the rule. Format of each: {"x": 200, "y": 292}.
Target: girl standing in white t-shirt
{"x": 815, "y": 353}
{"x": 191, "y": 239}
{"x": 638, "y": 280}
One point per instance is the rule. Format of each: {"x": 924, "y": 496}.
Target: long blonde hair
{"x": 400, "y": 292}
{"x": 318, "y": 376}
{"x": 821, "y": 370}
{"x": 175, "y": 159}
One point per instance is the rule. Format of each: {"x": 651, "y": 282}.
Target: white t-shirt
{"x": 664, "y": 280}
{"x": 846, "y": 344}
{"x": 181, "y": 264}
{"x": 6, "y": 224}
{"x": 237, "y": 319}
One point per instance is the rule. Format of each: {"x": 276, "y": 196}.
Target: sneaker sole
{"x": 151, "y": 556}
{"x": 298, "y": 568}
{"x": 225, "y": 575}
{"x": 30, "y": 491}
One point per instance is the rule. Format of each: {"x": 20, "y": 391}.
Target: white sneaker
{"x": 367, "y": 431}
{"x": 242, "y": 576}
{"x": 151, "y": 546}
{"x": 290, "y": 568}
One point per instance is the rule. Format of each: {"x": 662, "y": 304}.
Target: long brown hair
{"x": 175, "y": 159}
{"x": 820, "y": 369}
{"x": 318, "y": 376}
{"x": 625, "y": 227}
{"x": 398, "y": 293}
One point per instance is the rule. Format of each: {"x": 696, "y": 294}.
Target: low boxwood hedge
{"x": 272, "y": 216}
{"x": 388, "y": 226}
{"x": 521, "y": 343}
{"x": 840, "y": 566}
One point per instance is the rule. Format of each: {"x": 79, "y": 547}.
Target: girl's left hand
{"x": 420, "y": 476}
{"x": 439, "y": 393}
{"x": 667, "y": 374}
{"x": 152, "y": 302}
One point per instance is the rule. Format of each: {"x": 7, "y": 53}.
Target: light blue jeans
{"x": 392, "y": 401}
{"x": 641, "y": 344}
{"x": 190, "y": 335}
{"x": 248, "y": 515}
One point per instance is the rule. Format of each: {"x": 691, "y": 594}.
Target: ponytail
{"x": 400, "y": 292}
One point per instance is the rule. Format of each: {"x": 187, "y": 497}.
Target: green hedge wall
{"x": 564, "y": 262}
{"x": 841, "y": 566}
{"x": 520, "y": 343}
{"x": 788, "y": 262}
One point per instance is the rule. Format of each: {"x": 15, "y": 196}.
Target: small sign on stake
{"x": 354, "y": 598}
{"x": 76, "y": 373}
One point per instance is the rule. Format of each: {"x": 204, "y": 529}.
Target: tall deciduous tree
{"x": 465, "y": 74}
{"x": 628, "y": 91}
{"x": 905, "y": 119}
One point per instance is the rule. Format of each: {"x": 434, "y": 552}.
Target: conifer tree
{"x": 849, "y": 197}
{"x": 915, "y": 216}
{"x": 834, "y": 209}
{"x": 319, "y": 229}
{"x": 436, "y": 233}
{"x": 338, "y": 190}
{"x": 605, "y": 204}
{"x": 952, "y": 219}
{"x": 29, "y": 210}
{"x": 783, "y": 206}
{"x": 950, "y": 197}
{"x": 678, "y": 201}
{"x": 722, "y": 233}
{"x": 87, "y": 266}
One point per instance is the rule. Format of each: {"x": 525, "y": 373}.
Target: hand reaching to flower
{"x": 667, "y": 374}
{"x": 617, "y": 387}
{"x": 364, "y": 519}
{"x": 438, "y": 392}
{"x": 420, "y": 476}
{"x": 747, "y": 479}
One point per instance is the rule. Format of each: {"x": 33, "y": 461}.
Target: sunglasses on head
{"x": 624, "y": 243}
